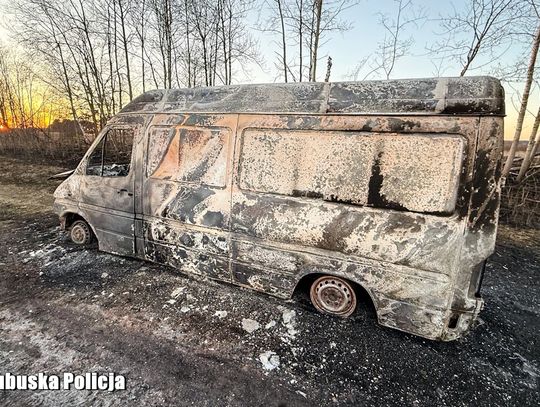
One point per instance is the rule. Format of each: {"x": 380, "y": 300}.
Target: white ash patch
{"x": 47, "y": 254}
{"x": 250, "y": 325}
{"x": 289, "y": 321}
{"x": 270, "y": 325}
{"x": 185, "y": 309}
{"x": 269, "y": 360}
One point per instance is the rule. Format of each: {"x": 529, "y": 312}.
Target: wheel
{"x": 80, "y": 233}
{"x": 333, "y": 295}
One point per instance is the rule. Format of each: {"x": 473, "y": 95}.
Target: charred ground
{"x": 186, "y": 342}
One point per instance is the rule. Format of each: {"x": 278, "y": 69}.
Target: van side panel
{"x": 425, "y": 242}
{"x": 407, "y": 261}
{"x": 383, "y": 170}
{"x": 187, "y": 195}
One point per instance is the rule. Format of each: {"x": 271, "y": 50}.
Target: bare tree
{"x": 276, "y": 24}
{"x": 326, "y": 18}
{"x": 303, "y": 25}
{"x": 222, "y": 31}
{"x": 162, "y": 13}
{"x": 524, "y": 102}
{"x": 283, "y": 41}
{"x": 479, "y": 29}
{"x": 534, "y": 138}
{"x": 396, "y": 44}
{"x": 315, "y": 36}
{"x": 531, "y": 148}
{"x": 22, "y": 104}
{"x": 98, "y": 54}
{"x": 123, "y": 7}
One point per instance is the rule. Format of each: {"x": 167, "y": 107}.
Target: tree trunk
{"x": 111, "y": 68}
{"x": 300, "y": 39}
{"x": 115, "y": 44}
{"x": 284, "y": 44}
{"x": 169, "y": 40}
{"x": 188, "y": 45}
{"x": 534, "y": 148}
{"x": 531, "y": 148}
{"x": 125, "y": 43}
{"x": 524, "y": 101}
{"x": 316, "y": 35}
{"x": 142, "y": 37}
{"x": 230, "y": 43}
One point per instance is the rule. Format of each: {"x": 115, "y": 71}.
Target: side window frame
{"x": 442, "y": 213}
{"x": 227, "y": 131}
{"x": 102, "y": 140}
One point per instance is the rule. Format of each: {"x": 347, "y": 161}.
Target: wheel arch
{"x": 67, "y": 219}
{"x": 305, "y": 281}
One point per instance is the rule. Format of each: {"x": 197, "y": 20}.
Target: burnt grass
{"x": 68, "y": 309}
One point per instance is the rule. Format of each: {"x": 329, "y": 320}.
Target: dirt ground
{"x": 181, "y": 341}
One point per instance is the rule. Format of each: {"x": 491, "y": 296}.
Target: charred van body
{"x": 389, "y": 185}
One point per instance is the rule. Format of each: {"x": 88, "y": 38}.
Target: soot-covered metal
{"x": 393, "y": 185}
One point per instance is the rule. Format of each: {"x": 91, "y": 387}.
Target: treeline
{"x": 96, "y": 55}
{"x": 100, "y": 54}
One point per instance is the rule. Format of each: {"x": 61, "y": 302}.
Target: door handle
{"x": 125, "y": 190}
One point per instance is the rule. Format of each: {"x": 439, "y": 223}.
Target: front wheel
{"x": 80, "y": 233}
{"x": 333, "y": 295}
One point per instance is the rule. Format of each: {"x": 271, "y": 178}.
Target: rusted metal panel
{"x": 374, "y": 169}
{"x": 463, "y": 96}
{"x": 261, "y": 185}
{"x": 421, "y": 241}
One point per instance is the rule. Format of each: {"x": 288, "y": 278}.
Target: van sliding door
{"x": 186, "y": 193}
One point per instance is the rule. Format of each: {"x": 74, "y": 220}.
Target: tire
{"x": 333, "y": 295}
{"x": 80, "y": 233}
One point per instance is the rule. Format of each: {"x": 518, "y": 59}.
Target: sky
{"x": 347, "y": 49}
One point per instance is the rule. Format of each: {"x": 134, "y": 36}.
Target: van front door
{"x": 107, "y": 190}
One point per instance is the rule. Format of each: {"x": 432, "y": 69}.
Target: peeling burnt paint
{"x": 183, "y": 204}
{"x": 262, "y": 185}
{"x": 375, "y": 198}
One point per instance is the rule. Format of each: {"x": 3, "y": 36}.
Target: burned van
{"x": 383, "y": 188}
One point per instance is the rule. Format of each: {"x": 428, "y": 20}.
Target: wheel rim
{"x": 333, "y": 295}
{"x": 79, "y": 234}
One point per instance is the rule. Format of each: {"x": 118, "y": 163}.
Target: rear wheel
{"x": 80, "y": 233}
{"x": 333, "y": 295}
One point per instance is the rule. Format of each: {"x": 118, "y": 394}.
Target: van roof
{"x": 481, "y": 95}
